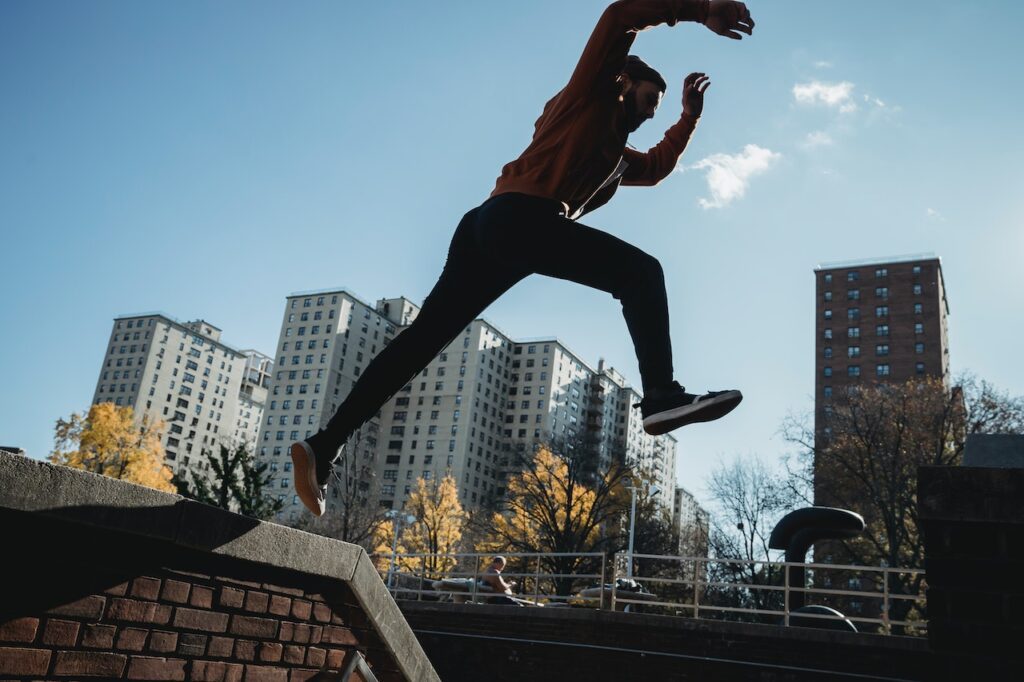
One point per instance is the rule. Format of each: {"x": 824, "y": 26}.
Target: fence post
{"x": 885, "y": 601}
{"x": 536, "y": 581}
{"x": 601, "y": 583}
{"x": 696, "y": 587}
{"x": 785, "y": 594}
{"x": 615, "y": 568}
{"x": 476, "y": 570}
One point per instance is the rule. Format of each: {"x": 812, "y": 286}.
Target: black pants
{"x": 496, "y": 245}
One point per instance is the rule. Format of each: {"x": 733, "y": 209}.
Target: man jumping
{"x": 576, "y": 161}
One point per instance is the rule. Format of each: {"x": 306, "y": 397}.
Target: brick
{"x": 316, "y": 656}
{"x": 270, "y": 652}
{"x": 250, "y": 626}
{"x": 60, "y": 633}
{"x": 175, "y": 591}
{"x": 163, "y": 642}
{"x": 237, "y": 581}
{"x": 231, "y": 597}
{"x": 322, "y": 613}
{"x": 194, "y": 619}
{"x": 202, "y": 597}
{"x": 211, "y": 671}
{"x": 131, "y": 639}
{"x": 294, "y": 654}
{"x": 280, "y": 606}
{"x": 192, "y": 644}
{"x": 99, "y": 636}
{"x": 262, "y": 673}
{"x": 138, "y": 611}
{"x": 220, "y": 647}
{"x": 337, "y": 635}
{"x": 119, "y": 590}
{"x": 146, "y": 668}
{"x": 89, "y": 663}
{"x": 90, "y": 608}
{"x": 315, "y": 634}
{"x": 287, "y": 632}
{"x": 256, "y": 601}
{"x": 301, "y": 609}
{"x": 20, "y": 661}
{"x": 335, "y": 657}
{"x": 301, "y": 633}
{"x": 337, "y": 620}
{"x": 19, "y": 630}
{"x": 245, "y": 650}
{"x": 146, "y": 588}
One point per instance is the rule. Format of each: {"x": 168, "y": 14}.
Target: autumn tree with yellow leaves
{"x": 436, "y": 531}
{"x": 108, "y": 441}
{"x": 561, "y": 503}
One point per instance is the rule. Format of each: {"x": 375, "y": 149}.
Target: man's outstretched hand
{"x": 694, "y": 87}
{"x": 729, "y": 18}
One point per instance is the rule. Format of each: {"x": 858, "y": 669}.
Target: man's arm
{"x": 606, "y": 51}
{"x": 651, "y": 167}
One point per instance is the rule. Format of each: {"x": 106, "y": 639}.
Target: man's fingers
{"x": 706, "y": 84}
{"x": 740, "y": 26}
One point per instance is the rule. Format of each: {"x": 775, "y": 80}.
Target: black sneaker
{"x": 675, "y": 407}
{"x": 311, "y": 476}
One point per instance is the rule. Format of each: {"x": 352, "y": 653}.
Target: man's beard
{"x": 629, "y": 104}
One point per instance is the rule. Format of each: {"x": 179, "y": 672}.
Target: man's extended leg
{"x": 469, "y": 283}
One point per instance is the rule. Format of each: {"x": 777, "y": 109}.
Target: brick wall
{"x": 103, "y": 604}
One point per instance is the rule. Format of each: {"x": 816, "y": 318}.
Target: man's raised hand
{"x": 729, "y": 18}
{"x": 694, "y": 87}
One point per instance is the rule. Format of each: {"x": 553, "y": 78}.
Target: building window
{"x": 919, "y": 368}
{"x": 882, "y": 311}
{"x": 853, "y": 370}
{"x": 917, "y": 289}
{"x": 918, "y": 328}
{"x": 853, "y": 352}
{"x": 853, "y": 313}
{"x": 917, "y": 269}
{"x": 882, "y": 272}
{"x": 919, "y": 347}
{"x": 828, "y": 391}
{"x": 882, "y": 370}
{"x": 828, "y": 295}
{"x": 828, "y": 313}
{"x": 882, "y": 292}
{"x": 918, "y": 308}
{"x": 828, "y": 278}
{"x": 828, "y": 333}
{"x": 882, "y": 330}
{"x": 853, "y": 294}
{"x": 828, "y": 352}
{"x": 852, "y": 276}
{"x": 882, "y": 349}
{"x": 853, "y": 332}
{"x": 828, "y": 371}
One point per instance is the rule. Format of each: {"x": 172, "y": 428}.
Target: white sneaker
{"x": 312, "y": 493}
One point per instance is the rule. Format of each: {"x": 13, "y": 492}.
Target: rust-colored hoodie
{"x": 578, "y": 154}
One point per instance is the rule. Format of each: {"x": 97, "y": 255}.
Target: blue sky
{"x": 320, "y": 144}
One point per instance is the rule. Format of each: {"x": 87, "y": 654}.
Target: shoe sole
{"x": 703, "y": 411}
{"x": 304, "y": 468}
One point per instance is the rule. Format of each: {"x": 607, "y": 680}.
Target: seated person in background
{"x": 492, "y": 578}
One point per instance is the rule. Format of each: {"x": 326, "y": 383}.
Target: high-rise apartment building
{"x": 252, "y": 396}
{"x": 877, "y": 321}
{"x": 483, "y": 400}
{"x": 182, "y": 373}
{"x": 692, "y": 522}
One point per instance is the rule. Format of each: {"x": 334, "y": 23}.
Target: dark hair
{"x": 638, "y": 70}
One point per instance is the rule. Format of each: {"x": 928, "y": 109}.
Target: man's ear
{"x": 625, "y": 85}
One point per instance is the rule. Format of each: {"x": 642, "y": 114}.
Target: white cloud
{"x": 822, "y": 64}
{"x": 833, "y": 95}
{"x": 728, "y": 175}
{"x": 935, "y": 215}
{"x": 874, "y": 100}
{"x": 817, "y": 138}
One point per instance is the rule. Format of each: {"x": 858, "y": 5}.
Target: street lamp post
{"x": 397, "y": 518}
{"x": 652, "y": 489}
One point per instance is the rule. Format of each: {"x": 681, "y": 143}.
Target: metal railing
{"x": 877, "y": 597}
{"x": 760, "y": 591}
{"x": 543, "y": 578}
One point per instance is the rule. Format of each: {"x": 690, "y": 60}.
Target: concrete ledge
{"x": 40, "y": 488}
